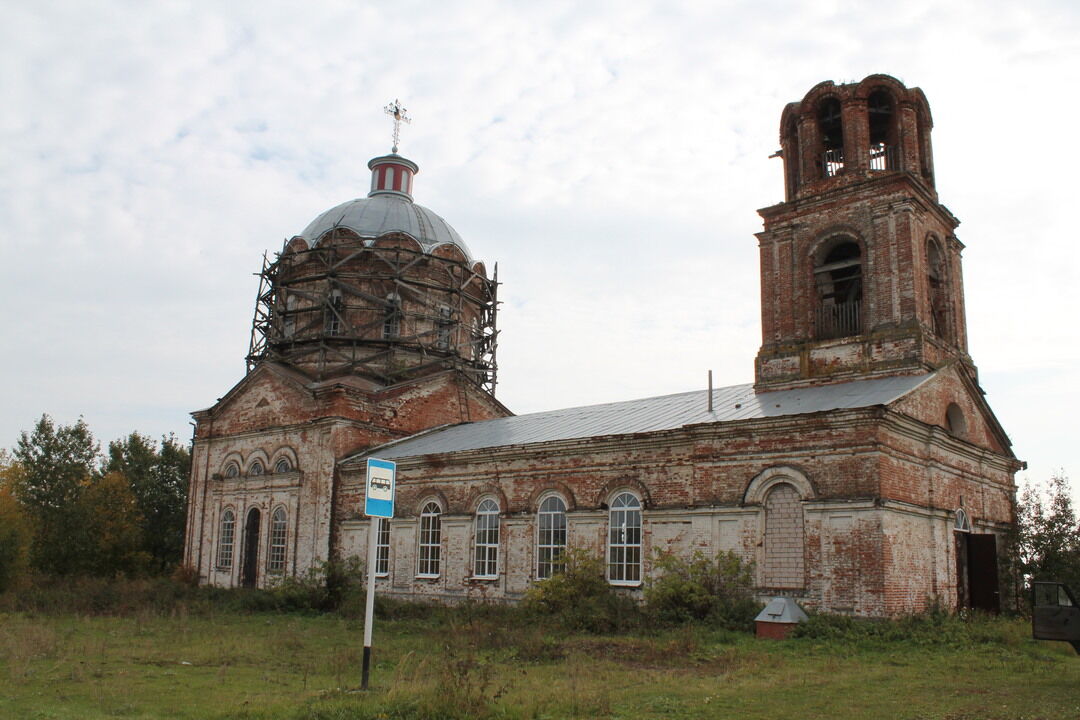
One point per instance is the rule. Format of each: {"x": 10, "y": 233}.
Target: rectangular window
{"x": 624, "y": 541}
{"x": 225, "y": 540}
{"x": 382, "y": 548}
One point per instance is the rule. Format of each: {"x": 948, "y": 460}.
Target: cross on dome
{"x": 397, "y": 110}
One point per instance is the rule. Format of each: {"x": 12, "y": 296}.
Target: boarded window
{"x": 784, "y": 565}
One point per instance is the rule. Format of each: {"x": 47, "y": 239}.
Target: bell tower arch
{"x": 860, "y": 265}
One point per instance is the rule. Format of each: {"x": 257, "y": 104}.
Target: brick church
{"x": 862, "y": 472}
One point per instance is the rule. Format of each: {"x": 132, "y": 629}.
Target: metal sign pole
{"x": 378, "y": 504}
{"x": 369, "y": 610}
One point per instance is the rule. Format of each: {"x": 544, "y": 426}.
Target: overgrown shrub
{"x": 718, "y": 590}
{"x": 937, "y": 626}
{"x": 580, "y": 597}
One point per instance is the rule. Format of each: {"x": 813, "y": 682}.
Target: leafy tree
{"x": 57, "y": 463}
{"x": 14, "y": 528}
{"x": 1048, "y": 536}
{"x": 111, "y": 525}
{"x": 158, "y": 477}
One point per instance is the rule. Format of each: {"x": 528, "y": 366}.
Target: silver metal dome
{"x": 380, "y": 214}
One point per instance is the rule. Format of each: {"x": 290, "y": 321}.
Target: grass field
{"x": 261, "y": 665}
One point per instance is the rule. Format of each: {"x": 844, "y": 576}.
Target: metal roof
{"x": 378, "y": 215}
{"x": 667, "y": 412}
{"x": 782, "y": 610}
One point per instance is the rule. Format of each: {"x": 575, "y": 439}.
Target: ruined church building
{"x": 862, "y": 472}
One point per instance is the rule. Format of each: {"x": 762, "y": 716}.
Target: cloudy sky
{"x": 610, "y": 156}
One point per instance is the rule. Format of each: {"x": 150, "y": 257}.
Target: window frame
{"x": 550, "y": 553}
{"x": 623, "y": 549}
{"x": 256, "y": 468}
{"x": 277, "y": 550}
{"x": 382, "y": 547}
{"x": 429, "y": 541}
{"x": 486, "y": 535}
{"x": 283, "y": 461}
{"x": 229, "y": 516}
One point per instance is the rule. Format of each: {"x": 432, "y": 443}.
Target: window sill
{"x": 625, "y": 583}
{"x": 483, "y": 578}
{"x": 427, "y": 577}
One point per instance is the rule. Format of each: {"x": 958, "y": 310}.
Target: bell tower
{"x": 860, "y": 267}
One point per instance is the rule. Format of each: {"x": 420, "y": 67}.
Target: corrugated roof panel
{"x": 666, "y": 412}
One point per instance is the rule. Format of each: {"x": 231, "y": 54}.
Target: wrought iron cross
{"x": 397, "y": 110}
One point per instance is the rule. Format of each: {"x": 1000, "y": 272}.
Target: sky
{"x": 609, "y": 156}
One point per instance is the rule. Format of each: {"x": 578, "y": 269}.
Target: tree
{"x": 158, "y": 478}
{"x": 1048, "y": 536}
{"x": 57, "y": 463}
{"x": 111, "y": 525}
{"x": 14, "y": 528}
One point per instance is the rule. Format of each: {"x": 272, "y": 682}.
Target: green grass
{"x": 261, "y": 665}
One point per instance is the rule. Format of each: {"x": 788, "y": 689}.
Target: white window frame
{"x": 550, "y": 538}
{"x": 382, "y": 548}
{"x": 279, "y": 535}
{"x": 226, "y": 539}
{"x": 429, "y": 539}
{"x": 486, "y": 540}
{"x": 624, "y": 540}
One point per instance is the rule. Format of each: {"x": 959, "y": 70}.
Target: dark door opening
{"x": 977, "y": 572}
{"x": 249, "y": 573}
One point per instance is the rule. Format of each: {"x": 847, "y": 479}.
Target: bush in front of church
{"x": 579, "y": 597}
{"x": 718, "y": 590}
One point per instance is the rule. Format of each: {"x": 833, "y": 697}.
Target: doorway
{"x": 977, "y": 572}
{"x": 250, "y": 570}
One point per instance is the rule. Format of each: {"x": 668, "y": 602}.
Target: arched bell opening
{"x": 838, "y": 278}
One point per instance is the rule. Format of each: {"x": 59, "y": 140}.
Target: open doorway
{"x": 250, "y": 570}
{"x": 976, "y": 568}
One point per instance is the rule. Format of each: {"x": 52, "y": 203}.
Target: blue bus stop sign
{"x": 379, "y": 492}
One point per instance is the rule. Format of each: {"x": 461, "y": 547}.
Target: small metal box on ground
{"x": 778, "y": 618}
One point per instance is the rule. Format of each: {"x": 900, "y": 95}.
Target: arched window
{"x": 831, "y": 127}
{"x": 289, "y": 325}
{"x": 937, "y": 288}
{"x": 256, "y": 468}
{"x": 784, "y": 565}
{"x": 954, "y": 420}
{"x": 624, "y": 540}
{"x": 486, "y": 553}
{"x": 283, "y": 466}
{"x": 232, "y": 470}
{"x": 963, "y": 522}
{"x": 882, "y": 131}
{"x": 382, "y": 548}
{"x": 838, "y": 277}
{"x": 335, "y": 312}
{"x": 392, "y": 318}
{"x": 430, "y": 541}
{"x": 550, "y": 537}
{"x": 226, "y": 538}
{"x": 443, "y": 328}
{"x": 278, "y": 532}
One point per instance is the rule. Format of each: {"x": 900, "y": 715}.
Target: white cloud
{"x": 610, "y": 156}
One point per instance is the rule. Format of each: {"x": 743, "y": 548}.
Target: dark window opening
{"x": 392, "y": 319}
{"x": 882, "y": 136}
{"x": 839, "y": 286}
{"x": 935, "y": 276}
{"x": 831, "y": 126}
{"x": 335, "y": 313}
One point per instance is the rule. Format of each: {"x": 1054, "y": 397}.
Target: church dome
{"x": 388, "y": 208}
